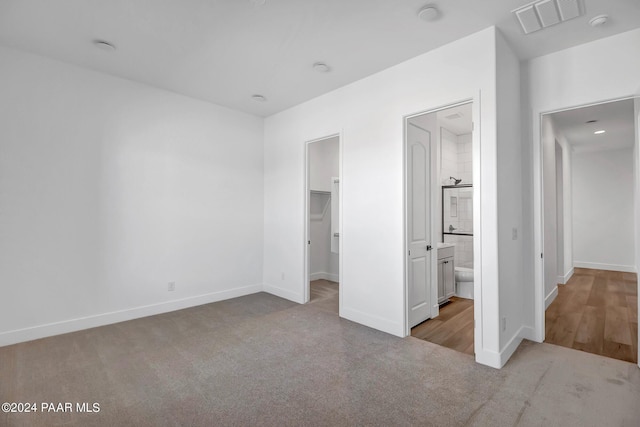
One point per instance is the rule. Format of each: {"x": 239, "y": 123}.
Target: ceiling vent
{"x": 545, "y": 13}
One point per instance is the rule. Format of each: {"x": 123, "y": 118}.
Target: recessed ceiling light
{"x": 598, "y": 132}
{"x": 104, "y": 45}
{"x": 258, "y": 98}
{"x": 599, "y": 20}
{"x": 321, "y": 67}
{"x": 429, "y": 13}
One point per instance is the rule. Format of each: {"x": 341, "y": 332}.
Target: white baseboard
{"x": 375, "y": 322}
{"x": 488, "y": 358}
{"x": 511, "y": 347}
{"x": 562, "y": 280}
{"x": 551, "y": 297}
{"x": 608, "y": 267}
{"x": 498, "y": 360}
{"x": 529, "y": 333}
{"x": 323, "y": 275}
{"x": 283, "y": 293}
{"x": 72, "y": 325}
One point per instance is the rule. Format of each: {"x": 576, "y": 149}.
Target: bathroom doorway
{"x": 440, "y": 224}
{"x": 589, "y": 173}
{"x": 323, "y": 223}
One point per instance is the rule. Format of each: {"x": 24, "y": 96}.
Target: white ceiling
{"x": 224, "y": 51}
{"x": 615, "y": 118}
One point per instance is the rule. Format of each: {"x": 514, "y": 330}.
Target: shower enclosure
{"x": 457, "y": 221}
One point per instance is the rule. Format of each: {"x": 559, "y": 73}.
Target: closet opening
{"x": 323, "y": 223}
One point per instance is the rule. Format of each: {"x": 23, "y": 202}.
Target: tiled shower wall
{"x": 456, "y": 161}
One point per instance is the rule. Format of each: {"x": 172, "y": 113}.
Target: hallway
{"x": 597, "y": 312}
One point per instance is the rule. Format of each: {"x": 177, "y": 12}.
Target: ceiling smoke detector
{"x": 599, "y": 20}
{"x": 429, "y": 13}
{"x": 259, "y": 98}
{"x": 545, "y": 13}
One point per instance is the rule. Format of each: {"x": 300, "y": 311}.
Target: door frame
{"x": 538, "y": 210}
{"x": 307, "y": 218}
{"x": 477, "y": 236}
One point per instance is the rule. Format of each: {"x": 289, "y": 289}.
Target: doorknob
{"x": 428, "y": 247}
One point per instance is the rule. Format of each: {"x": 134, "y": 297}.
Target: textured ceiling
{"x": 224, "y": 51}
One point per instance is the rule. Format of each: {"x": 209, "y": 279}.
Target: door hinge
{"x": 540, "y": 255}
{"x": 409, "y": 252}
{"x": 308, "y": 242}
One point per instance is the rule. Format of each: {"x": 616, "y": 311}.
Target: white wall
{"x": 509, "y": 186}
{"x": 603, "y": 200}
{"x": 564, "y": 79}
{"x": 369, "y": 115}
{"x": 110, "y": 190}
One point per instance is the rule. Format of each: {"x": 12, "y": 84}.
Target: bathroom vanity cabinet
{"x": 446, "y": 274}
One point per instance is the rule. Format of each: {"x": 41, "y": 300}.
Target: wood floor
{"x": 453, "y": 328}
{"x": 597, "y": 312}
{"x": 324, "y": 294}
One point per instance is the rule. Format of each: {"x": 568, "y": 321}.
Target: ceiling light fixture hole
{"x": 259, "y": 98}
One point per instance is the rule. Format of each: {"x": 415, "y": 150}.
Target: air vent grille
{"x": 545, "y": 13}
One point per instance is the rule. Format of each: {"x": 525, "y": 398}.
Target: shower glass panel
{"x": 457, "y": 210}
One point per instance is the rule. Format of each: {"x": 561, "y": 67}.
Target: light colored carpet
{"x": 261, "y": 360}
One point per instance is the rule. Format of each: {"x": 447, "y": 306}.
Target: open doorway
{"x": 589, "y": 191}
{"x": 439, "y": 206}
{"x": 323, "y": 230}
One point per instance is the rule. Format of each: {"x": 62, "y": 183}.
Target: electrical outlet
{"x": 504, "y": 324}
{"x": 171, "y": 287}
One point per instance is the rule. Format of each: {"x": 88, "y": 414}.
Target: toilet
{"x": 464, "y": 282}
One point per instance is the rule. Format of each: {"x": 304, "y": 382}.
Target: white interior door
{"x": 420, "y": 260}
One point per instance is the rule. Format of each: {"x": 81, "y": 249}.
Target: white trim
{"x": 375, "y": 322}
{"x": 73, "y": 325}
{"x": 283, "y": 293}
{"x": 488, "y": 358}
{"x": 562, "y": 280}
{"x": 323, "y": 275}
{"x": 550, "y": 297}
{"x": 508, "y": 350}
{"x": 608, "y": 267}
{"x": 498, "y": 360}
{"x": 528, "y": 333}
